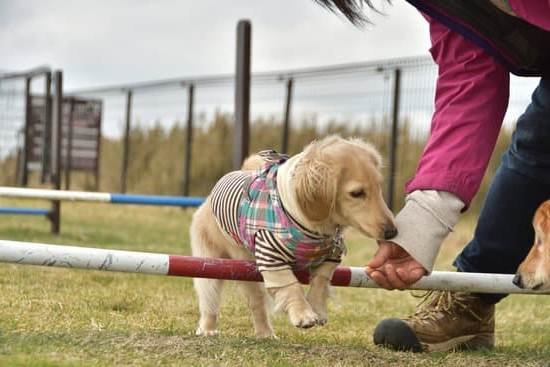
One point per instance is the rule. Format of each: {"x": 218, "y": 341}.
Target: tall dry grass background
{"x": 156, "y": 154}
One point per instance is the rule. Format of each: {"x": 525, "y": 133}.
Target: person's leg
{"x": 502, "y": 239}
{"x": 504, "y": 233}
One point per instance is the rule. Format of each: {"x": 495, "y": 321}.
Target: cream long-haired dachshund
{"x": 534, "y": 271}
{"x": 289, "y": 213}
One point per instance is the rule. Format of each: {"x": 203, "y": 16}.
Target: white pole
{"x": 114, "y": 198}
{"x": 15, "y": 192}
{"x": 83, "y": 257}
{"x": 453, "y": 281}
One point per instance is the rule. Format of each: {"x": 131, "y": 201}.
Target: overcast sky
{"x": 105, "y": 42}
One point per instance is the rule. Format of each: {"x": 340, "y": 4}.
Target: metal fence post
{"x": 286, "y": 121}
{"x": 27, "y": 144}
{"x": 57, "y": 138}
{"x": 126, "y": 147}
{"x": 394, "y": 137}
{"x": 18, "y": 167}
{"x": 47, "y": 133}
{"x": 188, "y": 140}
{"x": 98, "y": 150}
{"x": 69, "y": 148}
{"x": 242, "y": 94}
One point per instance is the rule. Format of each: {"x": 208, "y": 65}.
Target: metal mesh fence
{"x": 22, "y": 113}
{"x": 349, "y": 99}
{"x": 12, "y": 115}
{"x": 352, "y": 93}
{"x": 345, "y": 99}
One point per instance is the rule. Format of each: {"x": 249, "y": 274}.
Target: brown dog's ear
{"x": 315, "y": 183}
{"x": 370, "y": 150}
{"x": 376, "y": 158}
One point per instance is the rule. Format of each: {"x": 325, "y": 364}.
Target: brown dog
{"x": 334, "y": 183}
{"x": 534, "y": 271}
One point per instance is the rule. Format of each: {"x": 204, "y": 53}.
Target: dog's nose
{"x": 518, "y": 281}
{"x": 390, "y": 232}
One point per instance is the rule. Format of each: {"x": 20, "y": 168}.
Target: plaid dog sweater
{"x": 248, "y": 208}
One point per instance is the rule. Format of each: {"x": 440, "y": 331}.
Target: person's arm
{"x": 470, "y": 103}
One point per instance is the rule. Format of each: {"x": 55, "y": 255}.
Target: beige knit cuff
{"x": 424, "y": 222}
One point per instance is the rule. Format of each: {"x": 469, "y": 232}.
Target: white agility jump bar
{"x": 115, "y": 198}
{"x": 188, "y": 266}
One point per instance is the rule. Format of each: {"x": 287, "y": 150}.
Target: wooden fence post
{"x": 57, "y": 135}
{"x": 242, "y": 94}
{"x": 394, "y": 137}
{"x": 286, "y": 121}
{"x": 126, "y": 151}
{"x": 188, "y": 140}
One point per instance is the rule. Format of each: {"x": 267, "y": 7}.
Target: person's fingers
{"x": 393, "y": 278}
{"x": 408, "y": 277}
{"x": 411, "y": 274}
{"x": 417, "y": 273}
{"x": 380, "y": 279}
{"x": 381, "y": 256}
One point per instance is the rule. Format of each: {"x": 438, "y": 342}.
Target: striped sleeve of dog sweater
{"x": 225, "y": 198}
{"x": 271, "y": 254}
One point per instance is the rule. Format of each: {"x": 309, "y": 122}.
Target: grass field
{"x": 62, "y": 317}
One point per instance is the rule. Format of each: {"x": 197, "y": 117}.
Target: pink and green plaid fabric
{"x": 261, "y": 209}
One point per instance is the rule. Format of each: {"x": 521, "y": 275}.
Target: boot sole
{"x": 396, "y": 334}
{"x": 464, "y": 342}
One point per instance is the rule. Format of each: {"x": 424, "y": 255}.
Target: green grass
{"x": 62, "y": 317}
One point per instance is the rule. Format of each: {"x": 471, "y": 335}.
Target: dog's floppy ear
{"x": 541, "y": 221}
{"x": 375, "y": 157}
{"x": 370, "y": 150}
{"x": 315, "y": 183}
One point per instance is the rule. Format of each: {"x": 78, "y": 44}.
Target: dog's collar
{"x": 311, "y": 232}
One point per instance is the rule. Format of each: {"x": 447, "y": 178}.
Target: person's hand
{"x": 393, "y": 268}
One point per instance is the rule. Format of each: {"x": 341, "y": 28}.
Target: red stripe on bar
{"x": 200, "y": 267}
{"x": 341, "y": 277}
{"x": 231, "y": 269}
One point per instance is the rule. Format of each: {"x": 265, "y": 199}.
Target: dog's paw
{"x": 266, "y": 335}
{"x": 303, "y": 319}
{"x": 322, "y": 319}
{"x": 320, "y": 308}
{"x": 201, "y": 332}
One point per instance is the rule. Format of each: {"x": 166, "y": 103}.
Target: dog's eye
{"x": 358, "y": 194}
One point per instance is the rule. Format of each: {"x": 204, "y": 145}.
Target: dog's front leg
{"x": 319, "y": 290}
{"x": 289, "y": 297}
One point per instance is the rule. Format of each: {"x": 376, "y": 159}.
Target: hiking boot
{"x": 443, "y": 321}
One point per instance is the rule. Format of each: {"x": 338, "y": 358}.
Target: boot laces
{"x": 435, "y": 303}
